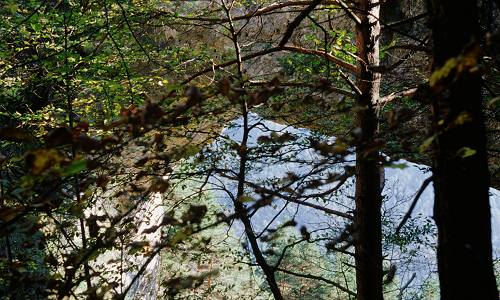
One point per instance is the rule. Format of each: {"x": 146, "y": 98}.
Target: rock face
{"x": 151, "y": 215}
{"x": 122, "y": 266}
{"x": 415, "y": 261}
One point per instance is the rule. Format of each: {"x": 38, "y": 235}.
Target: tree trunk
{"x": 241, "y": 212}
{"x": 368, "y": 235}
{"x": 461, "y": 178}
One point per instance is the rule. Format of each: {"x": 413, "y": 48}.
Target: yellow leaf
{"x": 43, "y": 159}
{"x": 443, "y": 72}
{"x": 245, "y": 198}
{"x": 12, "y": 7}
{"x": 463, "y": 118}
{"x": 427, "y": 144}
{"x": 9, "y": 213}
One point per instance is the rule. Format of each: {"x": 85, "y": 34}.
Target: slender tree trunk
{"x": 240, "y": 209}
{"x": 461, "y": 182}
{"x": 368, "y": 189}
{"x": 241, "y": 212}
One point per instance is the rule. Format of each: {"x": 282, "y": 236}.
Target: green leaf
{"x": 36, "y": 27}
{"x": 466, "y": 152}
{"x": 398, "y": 166}
{"x": 74, "y": 168}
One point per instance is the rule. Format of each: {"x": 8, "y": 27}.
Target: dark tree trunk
{"x": 461, "y": 178}
{"x": 242, "y": 214}
{"x": 368, "y": 239}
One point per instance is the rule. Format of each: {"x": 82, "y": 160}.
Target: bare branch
{"x": 343, "y": 64}
{"x": 296, "y": 22}
{"x": 405, "y": 93}
{"x": 413, "y": 203}
{"x": 310, "y": 276}
{"x": 308, "y": 85}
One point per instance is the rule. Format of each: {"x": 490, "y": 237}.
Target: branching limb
{"x": 413, "y": 204}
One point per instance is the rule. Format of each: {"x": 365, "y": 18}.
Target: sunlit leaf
{"x": 466, "y": 152}
{"x": 74, "y": 168}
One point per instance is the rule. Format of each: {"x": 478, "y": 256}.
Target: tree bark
{"x": 461, "y": 182}
{"x": 368, "y": 236}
